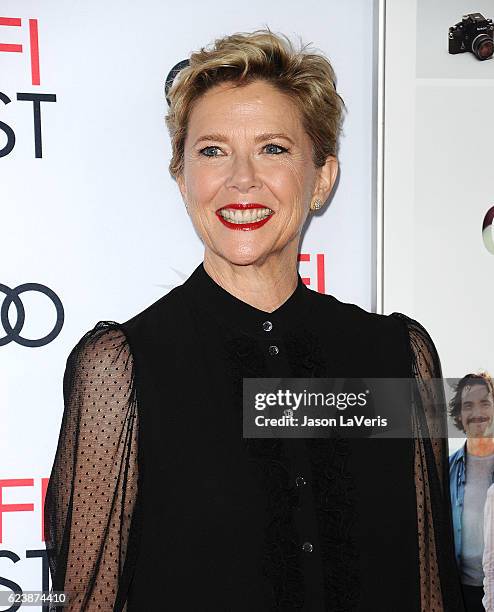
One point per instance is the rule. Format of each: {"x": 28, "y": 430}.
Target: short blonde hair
{"x": 307, "y": 78}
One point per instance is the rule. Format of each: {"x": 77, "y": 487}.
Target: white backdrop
{"x": 438, "y": 183}
{"x": 90, "y": 212}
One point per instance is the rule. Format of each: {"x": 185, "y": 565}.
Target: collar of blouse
{"x": 246, "y": 318}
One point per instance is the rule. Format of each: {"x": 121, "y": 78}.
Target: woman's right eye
{"x": 207, "y": 151}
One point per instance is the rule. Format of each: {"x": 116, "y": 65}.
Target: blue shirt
{"x": 457, "y": 479}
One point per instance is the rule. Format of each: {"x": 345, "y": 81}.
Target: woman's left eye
{"x": 275, "y": 146}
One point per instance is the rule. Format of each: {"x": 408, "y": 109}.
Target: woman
{"x": 156, "y": 501}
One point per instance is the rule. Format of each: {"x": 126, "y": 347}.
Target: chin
{"x": 243, "y": 258}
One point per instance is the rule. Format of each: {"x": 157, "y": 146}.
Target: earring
{"x": 316, "y": 205}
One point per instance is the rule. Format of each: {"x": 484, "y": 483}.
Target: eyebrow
{"x": 259, "y": 138}
{"x": 483, "y": 401}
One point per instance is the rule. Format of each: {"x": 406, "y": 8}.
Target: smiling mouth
{"x": 244, "y": 216}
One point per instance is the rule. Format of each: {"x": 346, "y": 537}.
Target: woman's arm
{"x": 439, "y": 579}
{"x": 93, "y": 484}
{"x": 488, "y": 556}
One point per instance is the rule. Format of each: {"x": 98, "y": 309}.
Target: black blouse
{"x": 157, "y": 502}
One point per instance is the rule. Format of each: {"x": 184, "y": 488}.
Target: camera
{"x": 473, "y": 33}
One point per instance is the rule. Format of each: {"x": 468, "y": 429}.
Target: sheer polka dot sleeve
{"x": 89, "y": 507}
{"x": 439, "y": 579}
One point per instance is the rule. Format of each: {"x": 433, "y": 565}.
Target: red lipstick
{"x": 243, "y": 226}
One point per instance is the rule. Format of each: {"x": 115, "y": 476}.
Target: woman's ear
{"x": 326, "y": 178}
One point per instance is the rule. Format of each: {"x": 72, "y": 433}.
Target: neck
{"x": 480, "y": 446}
{"x": 265, "y": 285}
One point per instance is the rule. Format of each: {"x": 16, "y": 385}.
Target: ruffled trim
{"x": 281, "y": 567}
{"x": 333, "y": 487}
{"x": 305, "y": 355}
{"x": 334, "y": 490}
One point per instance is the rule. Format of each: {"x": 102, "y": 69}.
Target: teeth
{"x": 248, "y": 215}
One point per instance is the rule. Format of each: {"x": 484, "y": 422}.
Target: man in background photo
{"x": 471, "y": 472}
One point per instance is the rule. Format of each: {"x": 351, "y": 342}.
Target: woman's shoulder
{"x": 355, "y": 319}
{"x": 361, "y": 319}
{"x": 101, "y": 353}
{"x": 167, "y": 310}
{"x": 110, "y": 342}
{"x": 379, "y": 335}
{"x": 104, "y": 338}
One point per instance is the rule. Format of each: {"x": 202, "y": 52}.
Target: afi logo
{"x": 319, "y": 273}
{"x": 33, "y": 44}
{"x": 35, "y": 98}
{"x": 39, "y": 493}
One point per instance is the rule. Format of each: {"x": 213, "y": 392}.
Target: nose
{"x": 243, "y": 175}
{"x": 478, "y": 412}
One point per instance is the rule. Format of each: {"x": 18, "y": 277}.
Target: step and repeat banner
{"x": 93, "y": 227}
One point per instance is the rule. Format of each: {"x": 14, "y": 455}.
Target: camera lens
{"x": 483, "y": 46}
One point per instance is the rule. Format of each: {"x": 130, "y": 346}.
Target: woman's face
{"x": 247, "y": 146}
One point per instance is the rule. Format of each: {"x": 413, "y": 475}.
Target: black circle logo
{"x": 13, "y": 333}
